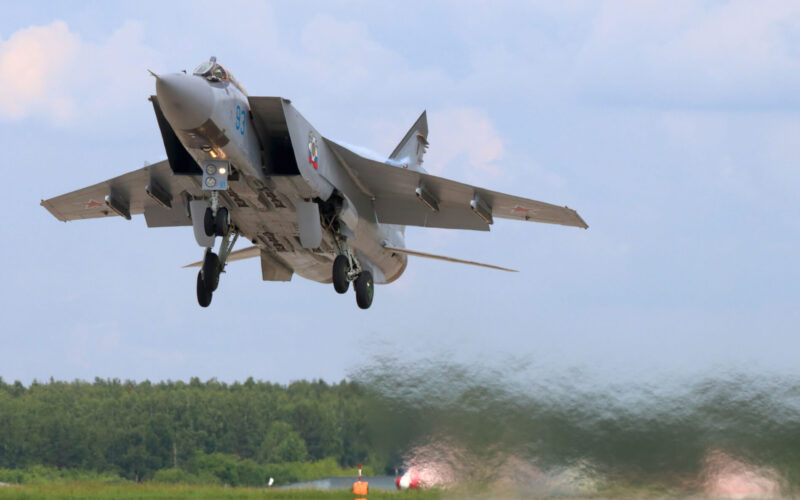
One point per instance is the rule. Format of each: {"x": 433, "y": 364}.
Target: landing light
{"x": 211, "y": 169}
{"x": 211, "y": 182}
{"x": 223, "y": 170}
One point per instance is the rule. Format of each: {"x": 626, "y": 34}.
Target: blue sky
{"x": 671, "y": 127}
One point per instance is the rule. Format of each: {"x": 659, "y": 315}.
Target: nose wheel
{"x": 216, "y": 224}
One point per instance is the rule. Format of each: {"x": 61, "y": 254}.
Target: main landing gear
{"x": 365, "y": 289}
{"x": 346, "y": 269}
{"x": 208, "y": 278}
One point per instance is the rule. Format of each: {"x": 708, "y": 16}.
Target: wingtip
{"x": 583, "y": 223}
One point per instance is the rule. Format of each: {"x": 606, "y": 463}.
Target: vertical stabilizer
{"x": 411, "y": 149}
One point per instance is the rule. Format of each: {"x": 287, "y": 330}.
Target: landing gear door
{"x": 308, "y": 223}
{"x": 198, "y": 210}
{"x": 311, "y": 153}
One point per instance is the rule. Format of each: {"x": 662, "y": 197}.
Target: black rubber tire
{"x": 203, "y": 293}
{"x": 341, "y": 265}
{"x": 211, "y": 270}
{"x": 365, "y": 289}
{"x": 209, "y": 224}
{"x": 221, "y": 223}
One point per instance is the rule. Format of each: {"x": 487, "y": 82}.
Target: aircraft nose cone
{"x": 187, "y": 101}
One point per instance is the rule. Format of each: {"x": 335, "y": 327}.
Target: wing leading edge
{"x": 411, "y": 198}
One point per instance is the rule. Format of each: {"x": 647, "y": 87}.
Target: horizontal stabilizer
{"x": 448, "y": 259}
{"x": 244, "y": 253}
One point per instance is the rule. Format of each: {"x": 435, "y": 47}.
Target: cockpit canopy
{"x": 213, "y": 71}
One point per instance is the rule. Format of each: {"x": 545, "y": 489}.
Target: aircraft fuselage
{"x": 213, "y": 121}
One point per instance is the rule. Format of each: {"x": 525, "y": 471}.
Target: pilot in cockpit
{"x": 213, "y": 71}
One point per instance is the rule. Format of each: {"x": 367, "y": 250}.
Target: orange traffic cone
{"x": 360, "y": 487}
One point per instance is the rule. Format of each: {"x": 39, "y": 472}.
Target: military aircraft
{"x": 253, "y": 167}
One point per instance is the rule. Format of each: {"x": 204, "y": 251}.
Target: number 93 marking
{"x": 241, "y": 117}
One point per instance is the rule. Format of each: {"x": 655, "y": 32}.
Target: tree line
{"x": 136, "y": 429}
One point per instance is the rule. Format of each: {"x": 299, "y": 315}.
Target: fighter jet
{"x": 254, "y": 167}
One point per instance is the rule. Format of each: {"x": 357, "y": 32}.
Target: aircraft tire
{"x": 340, "y": 267}
{"x": 209, "y": 224}
{"x": 221, "y": 222}
{"x": 211, "y": 269}
{"x": 203, "y": 293}
{"x": 365, "y": 289}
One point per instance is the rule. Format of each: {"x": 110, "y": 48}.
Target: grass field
{"x": 98, "y": 491}
{"x": 129, "y": 491}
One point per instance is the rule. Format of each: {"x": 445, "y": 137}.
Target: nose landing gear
{"x": 216, "y": 224}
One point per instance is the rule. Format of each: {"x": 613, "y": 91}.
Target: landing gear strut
{"x": 346, "y": 268}
{"x": 213, "y": 266}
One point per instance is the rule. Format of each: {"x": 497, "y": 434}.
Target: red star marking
{"x": 93, "y": 203}
{"x": 520, "y": 209}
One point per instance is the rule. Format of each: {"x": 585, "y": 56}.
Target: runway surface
{"x": 385, "y": 483}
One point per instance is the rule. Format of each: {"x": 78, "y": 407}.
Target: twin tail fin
{"x": 409, "y": 152}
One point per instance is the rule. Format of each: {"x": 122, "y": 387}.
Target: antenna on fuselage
{"x": 213, "y": 58}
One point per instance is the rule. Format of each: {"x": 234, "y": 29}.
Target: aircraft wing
{"x": 411, "y": 198}
{"x": 152, "y": 191}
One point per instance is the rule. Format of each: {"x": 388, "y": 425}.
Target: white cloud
{"x": 48, "y": 70}
{"x": 33, "y": 63}
{"x": 334, "y": 58}
{"x": 464, "y": 144}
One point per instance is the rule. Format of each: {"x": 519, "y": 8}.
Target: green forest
{"x": 196, "y": 432}
{"x": 212, "y": 434}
